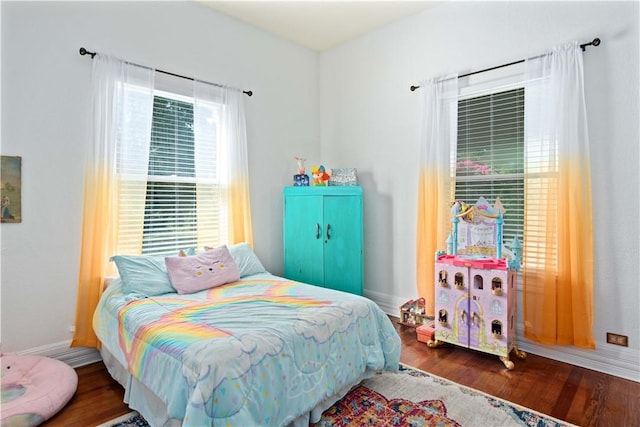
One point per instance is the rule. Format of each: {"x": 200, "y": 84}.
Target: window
{"x": 490, "y": 154}
{"x": 170, "y": 207}
{"x": 182, "y": 195}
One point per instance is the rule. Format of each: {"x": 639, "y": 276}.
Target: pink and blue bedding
{"x": 259, "y": 351}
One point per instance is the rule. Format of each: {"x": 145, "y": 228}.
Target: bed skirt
{"x": 154, "y": 410}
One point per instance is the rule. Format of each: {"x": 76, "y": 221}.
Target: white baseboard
{"x": 388, "y": 304}
{"x": 623, "y": 362}
{"x": 72, "y": 356}
{"x": 620, "y": 362}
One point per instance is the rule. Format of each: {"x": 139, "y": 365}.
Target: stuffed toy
{"x": 320, "y": 177}
{"x": 34, "y": 388}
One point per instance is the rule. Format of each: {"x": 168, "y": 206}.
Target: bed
{"x": 260, "y": 350}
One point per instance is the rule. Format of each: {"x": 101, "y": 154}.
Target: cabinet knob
{"x": 317, "y": 230}
{"x": 328, "y": 229}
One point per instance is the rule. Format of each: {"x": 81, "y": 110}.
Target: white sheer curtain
{"x": 439, "y": 115}
{"x": 221, "y": 165}
{"x": 558, "y": 246}
{"x": 122, "y": 100}
{"x": 132, "y": 148}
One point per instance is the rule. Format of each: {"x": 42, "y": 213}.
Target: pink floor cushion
{"x": 34, "y": 388}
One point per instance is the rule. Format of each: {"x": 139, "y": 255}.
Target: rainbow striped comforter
{"x": 260, "y": 351}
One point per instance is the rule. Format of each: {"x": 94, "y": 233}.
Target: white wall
{"x": 370, "y": 120}
{"x": 348, "y": 107}
{"x": 45, "y": 119}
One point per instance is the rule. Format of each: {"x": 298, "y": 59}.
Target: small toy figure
{"x": 320, "y": 177}
{"x": 300, "y": 161}
{"x": 301, "y": 179}
{"x": 460, "y": 209}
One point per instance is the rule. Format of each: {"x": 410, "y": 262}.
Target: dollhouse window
{"x": 459, "y": 280}
{"x": 443, "y": 316}
{"x": 478, "y": 282}
{"x": 442, "y": 277}
{"x": 496, "y": 284}
{"x": 496, "y": 328}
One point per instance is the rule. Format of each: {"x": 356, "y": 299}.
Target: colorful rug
{"x": 412, "y": 398}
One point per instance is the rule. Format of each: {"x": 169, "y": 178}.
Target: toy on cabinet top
{"x": 320, "y": 176}
{"x": 301, "y": 179}
{"x": 343, "y": 177}
{"x": 300, "y": 160}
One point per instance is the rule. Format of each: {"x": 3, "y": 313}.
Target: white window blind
{"x": 170, "y": 209}
{"x": 490, "y": 154}
{"x": 182, "y": 201}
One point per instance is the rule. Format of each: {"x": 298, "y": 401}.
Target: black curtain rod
{"x": 595, "y": 42}
{"x": 84, "y": 51}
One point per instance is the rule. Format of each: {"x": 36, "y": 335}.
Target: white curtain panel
{"x": 122, "y": 110}
{"x": 556, "y": 119}
{"x": 439, "y": 106}
{"x": 220, "y": 156}
{"x": 556, "y": 139}
{"x": 558, "y": 246}
{"x": 439, "y": 134}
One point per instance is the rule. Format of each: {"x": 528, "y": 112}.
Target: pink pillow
{"x": 206, "y": 270}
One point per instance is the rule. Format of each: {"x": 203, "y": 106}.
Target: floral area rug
{"x": 415, "y": 398}
{"x": 412, "y": 398}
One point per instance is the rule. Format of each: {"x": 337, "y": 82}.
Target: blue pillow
{"x": 144, "y": 275}
{"x": 244, "y": 257}
{"x": 246, "y": 260}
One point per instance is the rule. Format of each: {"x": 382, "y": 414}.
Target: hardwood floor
{"x": 577, "y": 395}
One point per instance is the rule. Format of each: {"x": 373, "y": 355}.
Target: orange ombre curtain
{"x": 234, "y": 122}
{"x": 558, "y": 244}
{"x": 221, "y": 164}
{"x": 119, "y": 92}
{"x": 439, "y": 113}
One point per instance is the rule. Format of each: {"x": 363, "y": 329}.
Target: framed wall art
{"x": 11, "y": 188}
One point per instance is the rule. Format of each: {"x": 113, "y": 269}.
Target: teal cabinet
{"x": 323, "y": 237}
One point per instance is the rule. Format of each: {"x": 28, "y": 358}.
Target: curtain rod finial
{"x": 594, "y": 42}
{"x": 84, "y": 51}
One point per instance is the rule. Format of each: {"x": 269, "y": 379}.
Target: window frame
{"x": 206, "y": 215}
{"x": 496, "y": 83}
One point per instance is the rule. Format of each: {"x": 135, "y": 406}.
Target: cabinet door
{"x": 343, "y": 251}
{"x": 304, "y": 239}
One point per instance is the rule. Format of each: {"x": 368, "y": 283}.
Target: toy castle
{"x": 475, "y": 281}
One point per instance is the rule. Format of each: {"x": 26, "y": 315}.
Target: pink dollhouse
{"x": 475, "y": 295}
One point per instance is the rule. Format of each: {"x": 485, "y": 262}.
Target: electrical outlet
{"x": 618, "y": 339}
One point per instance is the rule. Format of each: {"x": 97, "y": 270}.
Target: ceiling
{"x": 319, "y": 25}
